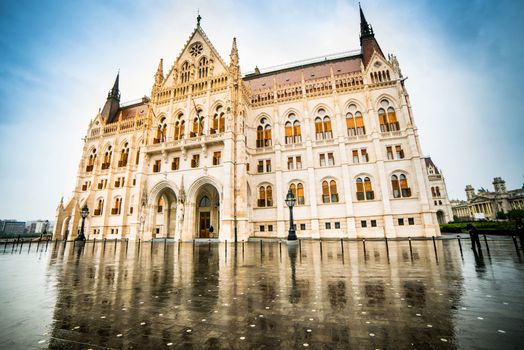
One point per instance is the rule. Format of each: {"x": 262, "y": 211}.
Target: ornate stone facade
{"x": 213, "y": 153}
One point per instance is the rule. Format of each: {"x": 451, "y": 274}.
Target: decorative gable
{"x": 197, "y": 60}
{"x": 379, "y": 70}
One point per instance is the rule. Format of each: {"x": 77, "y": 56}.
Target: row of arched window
{"x": 363, "y": 187}
{"x": 435, "y": 191}
{"x": 323, "y": 128}
{"x": 107, "y": 157}
{"x": 196, "y": 127}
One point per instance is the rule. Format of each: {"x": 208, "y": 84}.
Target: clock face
{"x": 196, "y": 49}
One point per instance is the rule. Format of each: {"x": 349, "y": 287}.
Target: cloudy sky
{"x": 58, "y": 59}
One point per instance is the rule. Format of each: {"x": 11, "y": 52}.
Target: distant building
{"x": 485, "y": 204}
{"x": 38, "y": 226}
{"x": 12, "y": 227}
{"x": 439, "y": 193}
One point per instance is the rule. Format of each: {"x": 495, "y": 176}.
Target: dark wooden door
{"x": 205, "y": 222}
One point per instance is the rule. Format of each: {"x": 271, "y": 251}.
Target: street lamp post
{"x": 290, "y": 201}
{"x": 84, "y": 212}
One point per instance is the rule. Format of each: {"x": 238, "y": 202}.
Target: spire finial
{"x": 234, "y": 52}
{"x": 114, "y": 92}
{"x": 198, "y": 18}
{"x": 365, "y": 28}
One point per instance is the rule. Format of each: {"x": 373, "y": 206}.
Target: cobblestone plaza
{"x": 262, "y": 294}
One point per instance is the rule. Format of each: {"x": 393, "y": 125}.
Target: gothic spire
{"x": 159, "y": 76}
{"x": 234, "y": 53}
{"x": 365, "y": 28}
{"x": 110, "y": 110}
{"x": 114, "y": 92}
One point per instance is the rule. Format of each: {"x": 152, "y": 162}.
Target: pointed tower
{"x": 368, "y": 43}
{"x": 234, "y": 65}
{"x": 110, "y": 110}
{"x": 159, "y": 78}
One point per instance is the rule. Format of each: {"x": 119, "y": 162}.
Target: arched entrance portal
{"x": 441, "y": 218}
{"x": 164, "y": 214}
{"x": 207, "y": 223}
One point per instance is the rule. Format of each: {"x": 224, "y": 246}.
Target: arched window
{"x": 298, "y": 191}
{"x": 161, "y": 131}
{"x": 264, "y": 133}
{"x": 107, "y": 158}
{"x": 198, "y": 124}
{"x": 203, "y": 67}
{"x": 160, "y": 205}
{"x": 204, "y": 202}
{"x": 387, "y": 117}
{"x": 292, "y": 130}
{"x": 355, "y": 122}
{"x": 323, "y": 128}
{"x": 265, "y": 196}
{"x": 364, "y": 189}
{"x": 91, "y": 160}
{"x": 329, "y": 192}
{"x": 124, "y": 155}
{"x": 433, "y": 193}
{"x": 437, "y": 191}
{"x": 99, "y": 206}
{"x": 400, "y": 186}
{"x": 117, "y": 206}
{"x": 185, "y": 72}
{"x": 180, "y": 126}
{"x": 219, "y": 121}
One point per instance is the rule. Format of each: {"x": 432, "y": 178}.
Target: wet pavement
{"x": 329, "y": 295}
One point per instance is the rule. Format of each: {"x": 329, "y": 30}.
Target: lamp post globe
{"x": 84, "y": 212}
{"x": 290, "y": 201}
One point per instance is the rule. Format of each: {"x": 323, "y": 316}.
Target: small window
{"x": 363, "y": 223}
{"x": 262, "y": 228}
{"x": 337, "y": 225}
{"x": 175, "y": 165}
{"x": 156, "y": 166}
{"x": 302, "y": 227}
{"x": 268, "y": 165}
{"x": 411, "y": 221}
{"x": 195, "y": 161}
{"x": 270, "y": 228}
{"x": 401, "y": 222}
{"x": 217, "y": 158}
{"x": 328, "y": 226}
{"x": 373, "y": 223}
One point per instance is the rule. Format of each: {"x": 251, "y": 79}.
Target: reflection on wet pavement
{"x": 357, "y": 295}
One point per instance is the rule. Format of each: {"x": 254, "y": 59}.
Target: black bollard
{"x": 243, "y": 249}
{"x": 151, "y": 246}
{"x": 94, "y": 243}
{"x": 261, "y": 248}
{"x": 387, "y": 246}
{"x": 435, "y": 247}
{"x": 127, "y": 243}
{"x": 364, "y": 246}
{"x": 486, "y": 241}
{"x": 29, "y": 248}
{"x": 342, "y": 249}
{"x": 5, "y": 245}
{"x": 208, "y": 245}
{"x": 46, "y": 243}
{"x": 14, "y": 240}
{"x": 104, "y": 245}
{"x": 178, "y": 247}
{"x": 300, "y": 246}
{"x": 320, "y": 249}
{"x": 74, "y": 243}
{"x": 460, "y": 246}
{"x": 516, "y": 244}
{"x": 410, "y": 248}
{"x": 280, "y": 247}
{"x": 115, "y": 243}
{"x": 165, "y": 243}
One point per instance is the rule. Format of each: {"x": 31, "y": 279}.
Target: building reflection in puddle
{"x": 270, "y": 295}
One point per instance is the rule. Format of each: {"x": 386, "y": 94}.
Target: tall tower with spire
{"x": 368, "y": 43}
{"x": 110, "y": 110}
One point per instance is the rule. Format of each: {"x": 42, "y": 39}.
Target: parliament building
{"x": 212, "y": 152}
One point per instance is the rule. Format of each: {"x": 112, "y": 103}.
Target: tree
{"x": 516, "y": 214}
{"x": 501, "y": 215}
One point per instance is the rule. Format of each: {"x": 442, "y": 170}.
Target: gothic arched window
{"x": 219, "y": 121}
{"x": 124, "y": 155}
{"x": 265, "y": 196}
{"x": 400, "y": 186}
{"x": 198, "y": 124}
{"x": 323, "y": 128}
{"x": 203, "y": 67}
{"x": 264, "y": 133}
{"x": 364, "y": 189}
{"x": 387, "y": 117}
{"x": 355, "y": 122}
{"x": 329, "y": 191}
{"x": 180, "y": 125}
{"x": 185, "y": 73}
{"x": 292, "y": 130}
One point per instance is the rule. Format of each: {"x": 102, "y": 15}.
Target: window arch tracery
{"x": 387, "y": 117}
{"x": 364, "y": 189}
{"x": 329, "y": 191}
{"x": 323, "y": 130}
{"x": 355, "y": 121}
{"x": 292, "y": 130}
{"x": 263, "y": 133}
{"x": 399, "y": 184}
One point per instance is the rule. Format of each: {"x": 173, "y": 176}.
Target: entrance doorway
{"x": 205, "y": 224}
{"x": 207, "y": 212}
